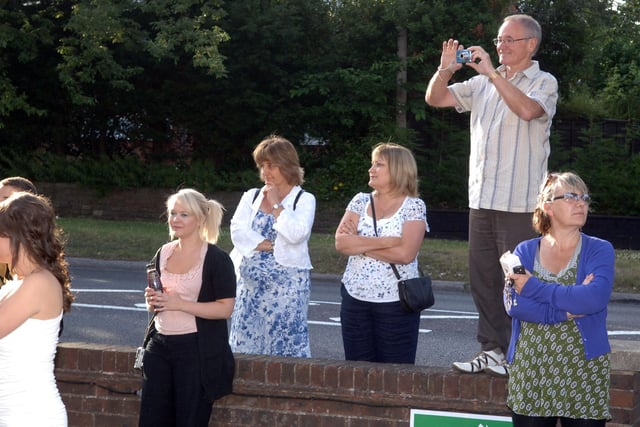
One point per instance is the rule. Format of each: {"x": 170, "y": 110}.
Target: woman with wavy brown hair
{"x": 31, "y": 309}
{"x": 8, "y": 186}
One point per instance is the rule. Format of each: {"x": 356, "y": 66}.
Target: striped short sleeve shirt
{"x": 508, "y": 158}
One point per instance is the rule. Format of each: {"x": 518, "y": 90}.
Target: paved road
{"x": 109, "y": 310}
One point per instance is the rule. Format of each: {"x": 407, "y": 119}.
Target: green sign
{"x": 421, "y": 418}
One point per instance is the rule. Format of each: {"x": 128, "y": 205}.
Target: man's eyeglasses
{"x": 508, "y": 40}
{"x": 573, "y": 197}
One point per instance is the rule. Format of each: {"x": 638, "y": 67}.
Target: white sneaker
{"x": 482, "y": 360}
{"x": 498, "y": 370}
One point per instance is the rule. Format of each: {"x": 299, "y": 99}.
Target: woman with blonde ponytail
{"x": 188, "y": 363}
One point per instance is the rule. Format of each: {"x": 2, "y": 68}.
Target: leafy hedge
{"x": 608, "y": 162}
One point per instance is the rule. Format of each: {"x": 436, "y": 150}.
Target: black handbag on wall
{"x": 415, "y": 294}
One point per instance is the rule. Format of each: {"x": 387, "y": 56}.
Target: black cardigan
{"x": 216, "y": 358}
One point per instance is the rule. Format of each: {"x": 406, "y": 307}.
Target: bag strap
{"x": 295, "y": 202}
{"x": 375, "y": 229}
{"x": 151, "y": 324}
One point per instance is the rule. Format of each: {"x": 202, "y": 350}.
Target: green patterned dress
{"x": 550, "y": 376}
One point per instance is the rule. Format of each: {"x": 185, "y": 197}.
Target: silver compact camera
{"x": 139, "y": 355}
{"x": 463, "y": 56}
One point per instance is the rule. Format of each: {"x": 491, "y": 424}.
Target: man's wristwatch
{"x": 277, "y": 206}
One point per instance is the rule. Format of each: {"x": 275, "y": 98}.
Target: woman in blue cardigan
{"x": 559, "y": 349}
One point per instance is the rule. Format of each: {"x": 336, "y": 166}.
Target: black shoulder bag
{"x": 415, "y": 294}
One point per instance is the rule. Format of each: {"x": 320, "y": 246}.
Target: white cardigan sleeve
{"x": 294, "y": 225}
{"x": 243, "y": 237}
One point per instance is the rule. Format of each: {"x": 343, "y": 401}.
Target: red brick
{"x": 467, "y": 389}
{"x": 288, "y": 376}
{"x": 115, "y": 420}
{"x": 258, "y": 370}
{"x": 359, "y": 378}
{"x": 406, "y": 381}
{"x": 499, "y": 390}
{"x": 452, "y": 386}
{"x": 436, "y": 385}
{"x": 66, "y": 358}
{"x": 391, "y": 380}
{"x": 302, "y": 374}
{"x": 274, "y": 373}
{"x": 375, "y": 379}
{"x": 331, "y": 376}
{"x": 90, "y": 360}
{"x": 109, "y": 361}
{"x": 623, "y": 380}
{"x": 483, "y": 387}
{"x": 620, "y": 415}
{"x": 309, "y": 392}
{"x": 243, "y": 367}
{"x": 76, "y": 419}
{"x": 316, "y": 378}
{"x": 123, "y": 363}
{"x": 346, "y": 377}
{"x": 621, "y": 398}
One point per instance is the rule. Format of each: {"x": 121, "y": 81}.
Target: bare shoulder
{"x": 44, "y": 292}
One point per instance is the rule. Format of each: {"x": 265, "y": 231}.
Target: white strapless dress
{"x": 28, "y": 392}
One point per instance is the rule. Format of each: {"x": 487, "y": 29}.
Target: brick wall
{"x": 99, "y": 387}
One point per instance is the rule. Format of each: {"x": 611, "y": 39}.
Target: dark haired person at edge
{"x": 270, "y": 230}
{"x": 559, "y": 351}
{"x": 375, "y": 327}
{"x": 511, "y": 111}
{"x": 188, "y": 363}
{"x": 31, "y": 309}
{"x": 8, "y": 186}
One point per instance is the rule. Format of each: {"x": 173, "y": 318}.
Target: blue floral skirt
{"x": 270, "y": 314}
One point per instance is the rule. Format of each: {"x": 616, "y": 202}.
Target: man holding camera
{"x": 511, "y": 111}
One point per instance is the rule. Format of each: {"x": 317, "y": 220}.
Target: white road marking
{"x": 335, "y": 321}
{"x": 115, "y": 291}
{"x": 109, "y": 307}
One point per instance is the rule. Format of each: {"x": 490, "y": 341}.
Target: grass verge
{"x": 138, "y": 241}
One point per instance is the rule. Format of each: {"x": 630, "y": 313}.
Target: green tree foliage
{"x": 570, "y": 30}
{"x": 104, "y": 40}
{"x": 273, "y": 45}
{"x": 156, "y": 91}
{"x": 613, "y": 178}
{"x": 27, "y": 36}
{"x": 107, "y": 74}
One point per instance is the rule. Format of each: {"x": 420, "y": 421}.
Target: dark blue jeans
{"x": 172, "y": 393}
{"x": 378, "y": 332}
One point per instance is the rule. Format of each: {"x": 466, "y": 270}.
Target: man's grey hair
{"x": 531, "y": 25}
